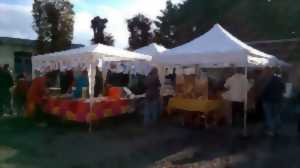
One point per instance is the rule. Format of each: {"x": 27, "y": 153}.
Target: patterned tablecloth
{"x": 79, "y": 110}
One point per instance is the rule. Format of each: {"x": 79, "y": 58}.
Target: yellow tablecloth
{"x": 194, "y": 105}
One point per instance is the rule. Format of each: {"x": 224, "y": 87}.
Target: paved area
{"x": 125, "y": 143}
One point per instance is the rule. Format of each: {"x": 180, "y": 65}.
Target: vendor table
{"x": 194, "y": 109}
{"x": 79, "y": 110}
{"x": 194, "y": 105}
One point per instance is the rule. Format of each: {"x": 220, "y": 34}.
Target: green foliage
{"x": 53, "y": 22}
{"x": 167, "y": 32}
{"x": 249, "y": 20}
{"x": 108, "y": 39}
{"x": 140, "y": 31}
{"x": 98, "y": 25}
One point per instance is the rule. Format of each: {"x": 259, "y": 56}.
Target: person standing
{"x": 98, "y": 88}
{"x": 172, "y": 76}
{"x": 167, "y": 92}
{"x": 66, "y": 81}
{"x": 152, "y": 105}
{"x": 81, "y": 81}
{"x": 35, "y": 96}
{"x": 272, "y": 97}
{"x": 6, "y": 82}
{"x": 236, "y": 86}
{"x": 20, "y": 92}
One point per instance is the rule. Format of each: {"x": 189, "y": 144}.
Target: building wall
{"x": 7, "y": 54}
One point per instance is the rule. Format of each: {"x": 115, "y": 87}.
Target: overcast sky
{"x": 16, "y": 19}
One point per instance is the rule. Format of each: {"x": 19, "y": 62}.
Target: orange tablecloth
{"x": 79, "y": 111}
{"x": 194, "y": 105}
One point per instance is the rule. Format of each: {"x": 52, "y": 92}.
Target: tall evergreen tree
{"x": 140, "y": 31}
{"x": 53, "y": 22}
{"x": 249, "y": 20}
{"x": 166, "y": 31}
{"x": 98, "y": 25}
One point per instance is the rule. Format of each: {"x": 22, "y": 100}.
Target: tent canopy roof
{"x": 152, "y": 49}
{"x": 217, "y": 47}
{"x": 96, "y": 50}
{"x": 83, "y": 57}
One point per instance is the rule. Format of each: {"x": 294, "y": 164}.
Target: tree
{"x": 180, "y": 23}
{"x": 53, "y": 22}
{"x": 140, "y": 31}
{"x": 98, "y": 25}
{"x": 109, "y": 39}
{"x": 249, "y": 20}
{"x": 166, "y": 26}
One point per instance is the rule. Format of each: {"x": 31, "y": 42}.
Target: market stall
{"x": 86, "y": 108}
{"x": 215, "y": 49}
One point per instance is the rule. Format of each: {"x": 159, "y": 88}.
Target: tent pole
{"x": 91, "y": 76}
{"x": 130, "y": 77}
{"x": 245, "y": 130}
{"x": 91, "y": 96}
{"x": 103, "y": 77}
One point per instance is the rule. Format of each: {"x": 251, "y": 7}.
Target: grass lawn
{"x": 124, "y": 142}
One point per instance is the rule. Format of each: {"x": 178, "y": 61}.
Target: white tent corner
{"x": 152, "y": 49}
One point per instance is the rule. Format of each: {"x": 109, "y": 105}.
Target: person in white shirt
{"x": 236, "y": 86}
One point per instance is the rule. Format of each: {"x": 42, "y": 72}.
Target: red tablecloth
{"x": 79, "y": 111}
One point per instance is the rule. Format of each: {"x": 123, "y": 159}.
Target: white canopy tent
{"x": 85, "y": 57}
{"x": 218, "y": 49}
{"x": 152, "y": 49}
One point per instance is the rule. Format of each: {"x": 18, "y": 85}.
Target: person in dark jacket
{"x": 98, "y": 88}
{"x": 6, "y": 82}
{"x": 152, "y": 106}
{"x": 66, "y": 81}
{"x": 272, "y": 97}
